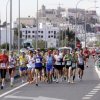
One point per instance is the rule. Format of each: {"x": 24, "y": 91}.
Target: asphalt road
{"x": 87, "y": 89}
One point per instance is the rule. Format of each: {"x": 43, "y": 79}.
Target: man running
{"x": 3, "y": 67}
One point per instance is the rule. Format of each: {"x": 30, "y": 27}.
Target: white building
{"x": 46, "y": 32}
{"x": 3, "y": 35}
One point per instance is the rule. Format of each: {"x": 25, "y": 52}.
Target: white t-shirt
{"x": 57, "y": 58}
{"x": 12, "y": 61}
{"x": 31, "y": 61}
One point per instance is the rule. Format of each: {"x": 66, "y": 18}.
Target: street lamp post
{"x": 19, "y": 30}
{"x": 76, "y": 20}
{"x": 37, "y": 26}
{"x": 10, "y": 42}
{"x": 0, "y": 29}
{"x": 6, "y": 23}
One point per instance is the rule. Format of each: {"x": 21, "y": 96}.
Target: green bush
{"x": 5, "y": 46}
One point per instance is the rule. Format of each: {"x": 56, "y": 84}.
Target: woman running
{"x": 12, "y": 67}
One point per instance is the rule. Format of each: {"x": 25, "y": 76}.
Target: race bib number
{"x": 68, "y": 63}
{"x": 58, "y": 63}
{"x": 38, "y": 61}
{"x": 3, "y": 65}
{"x": 63, "y": 63}
{"x": 73, "y": 65}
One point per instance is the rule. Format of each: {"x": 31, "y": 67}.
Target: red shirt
{"x": 86, "y": 52}
{"x": 3, "y": 58}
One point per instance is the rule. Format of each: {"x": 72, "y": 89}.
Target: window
{"x": 49, "y": 32}
{"x": 29, "y": 31}
{"x": 41, "y": 31}
{"x": 29, "y": 36}
{"x": 49, "y": 36}
{"x": 33, "y": 32}
{"x": 26, "y": 36}
{"x": 33, "y": 36}
{"x": 54, "y": 36}
{"x": 26, "y": 32}
{"x": 41, "y": 36}
{"x": 54, "y": 32}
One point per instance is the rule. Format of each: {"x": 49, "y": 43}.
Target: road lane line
{"x": 13, "y": 89}
{"x": 19, "y": 97}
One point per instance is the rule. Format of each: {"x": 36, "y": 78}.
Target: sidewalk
{"x": 97, "y": 67}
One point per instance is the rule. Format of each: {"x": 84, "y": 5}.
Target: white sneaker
{"x": 23, "y": 81}
{"x": 57, "y": 81}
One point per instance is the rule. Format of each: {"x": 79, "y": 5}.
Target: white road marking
{"x": 13, "y": 90}
{"x": 88, "y": 95}
{"x": 96, "y": 89}
{"x": 85, "y": 98}
{"x": 19, "y": 97}
{"x": 31, "y": 98}
{"x": 92, "y": 93}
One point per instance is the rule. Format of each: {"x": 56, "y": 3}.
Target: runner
{"x": 86, "y": 53}
{"x": 38, "y": 66}
{"x": 12, "y": 67}
{"x": 31, "y": 66}
{"x": 23, "y": 67}
{"x": 93, "y": 54}
{"x": 68, "y": 63}
{"x": 58, "y": 66}
{"x": 74, "y": 65}
{"x": 49, "y": 66}
{"x": 3, "y": 67}
{"x": 80, "y": 64}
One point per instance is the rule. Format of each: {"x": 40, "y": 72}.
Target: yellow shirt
{"x": 22, "y": 60}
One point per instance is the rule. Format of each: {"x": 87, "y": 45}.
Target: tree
{"x": 3, "y": 46}
{"x": 40, "y": 44}
{"x": 67, "y": 37}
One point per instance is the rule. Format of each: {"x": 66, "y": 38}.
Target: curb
{"x": 97, "y": 70}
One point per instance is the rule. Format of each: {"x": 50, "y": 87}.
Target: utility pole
{"x": 19, "y": 29}
{"x": 37, "y": 26}
{"x": 0, "y": 29}
{"x": 10, "y": 42}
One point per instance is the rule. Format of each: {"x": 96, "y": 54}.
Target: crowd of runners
{"x": 50, "y": 66}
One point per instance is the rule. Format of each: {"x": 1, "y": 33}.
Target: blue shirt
{"x": 38, "y": 61}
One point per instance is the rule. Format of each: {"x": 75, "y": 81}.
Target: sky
{"x": 28, "y": 7}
